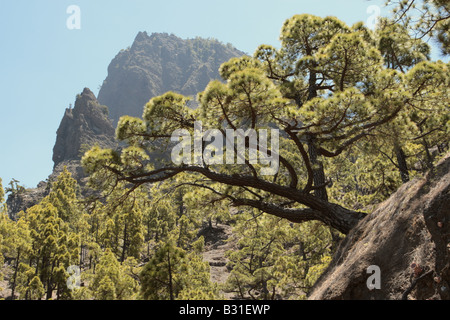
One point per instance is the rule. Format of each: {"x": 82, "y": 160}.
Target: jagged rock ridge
{"x": 159, "y": 63}
{"x": 83, "y": 126}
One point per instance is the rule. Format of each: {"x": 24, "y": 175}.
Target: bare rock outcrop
{"x": 82, "y": 127}
{"x": 407, "y": 237}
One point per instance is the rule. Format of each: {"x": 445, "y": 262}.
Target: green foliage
{"x": 2, "y": 192}
{"x": 64, "y": 196}
{"x": 359, "y": 113}
{"x": 14, "y": 188}
{"x": 162, "y": 276}
{"x": 174, "y": 273}
{"x": 29, "y": 286}
{"x": 276, "y": 259}
{"x": 55, "y": 248}
{"x": 333, "y": 90}
{"x": 113, "y": 281}
{"x": 3, "y": 238}
{"x": 399, "y": 50}
{"x": 43, "y": 243}
{"x": 426, "y": 18}
{"x": 118, "y": 225}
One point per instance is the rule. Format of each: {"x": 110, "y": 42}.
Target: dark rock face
{"x": 82, "y": 127}
{"x": 407, "y": 237}
{"x": 159, "y": 63}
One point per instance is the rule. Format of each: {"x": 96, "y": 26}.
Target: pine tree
{"x": 119, "y": 223}
{"x": 2, "y": 193}
{"x": 358, "y": 113}
{"x": 160, "y": 278}
{"x": 54, "y": 247}
{"x": 2, "y": 228}
{"x": 275, "y": 258}
{"x": 35, "y": 289}
{"x": 64, "y": 197}
{"x": 29, "y": 286}
{"x": 174, "y": 273}
{"x": 426, "y": 19}
{"x": 44, "y": 241}
{"x": 168, "y": 214}
{"x": 17, "y": 246}
{"x": 55, "y": 242}
{"x": 113, "y": 281}
{"x": 326, "y": 90}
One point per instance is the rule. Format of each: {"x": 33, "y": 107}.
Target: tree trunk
{"x": 50, "y": 282}
{"x": 317, "y": 165}
{"x": 16, "y": 267}
{"x": 341, "y": 219}
{"x": 124, "y": 248}
{"x": 49, "y": 288}
{"x": 318, "y": 173}
{"x": 331, "y": 214}
{"x": 82, "y": 255}
{"x": 170, "y": 277}
{"x": 428, "y": 154}
{"x": 401, "y": 160}
{"x": 210, "y": 225}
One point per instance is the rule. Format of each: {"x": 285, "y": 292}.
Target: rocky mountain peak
{"x": 82, "y": 127}
{"x": 159, "y": 63}
{"x": 85, "y": 100}
{"x": 141, "y": 36}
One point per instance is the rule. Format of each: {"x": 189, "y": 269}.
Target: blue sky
{"x": 44, "y": 65}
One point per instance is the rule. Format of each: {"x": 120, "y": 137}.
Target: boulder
{"x": 407, "y": 237}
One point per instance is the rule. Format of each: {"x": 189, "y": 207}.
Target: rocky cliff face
{"x": 82, "y": 127}
{"x": 407, "y": 237}
{"x": 159, "y": 63}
